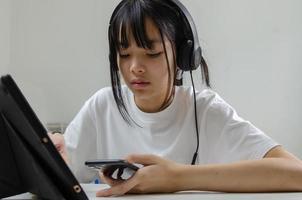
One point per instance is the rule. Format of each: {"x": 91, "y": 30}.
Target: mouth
{"x": 140, "y": 84}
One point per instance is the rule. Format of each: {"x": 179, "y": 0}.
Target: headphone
{"x": 189, "y": 53}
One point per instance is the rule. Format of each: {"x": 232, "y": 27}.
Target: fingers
{"x": 119, "y": 187}
{"x": 57, "y": 139}
{"x": 59, "y": 142}
{"x": 136, "y": 183}
{"x": 108, "y": 180}
{"x": 144, "y": 159}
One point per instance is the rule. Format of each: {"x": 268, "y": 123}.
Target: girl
{"x": 152, "y": 121}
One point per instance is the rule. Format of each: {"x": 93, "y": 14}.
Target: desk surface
{"x": 90, "y": 190}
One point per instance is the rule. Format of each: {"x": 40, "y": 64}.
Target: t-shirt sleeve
{"x": 230, "y": 138}
{"x": 80, "y": 139}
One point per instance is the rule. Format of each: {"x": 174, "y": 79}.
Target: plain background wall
{"x": 5, "y": 9}
{"x": 57, "y": 51}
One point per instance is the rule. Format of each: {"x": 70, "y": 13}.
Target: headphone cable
{"x": 196, "y": 122}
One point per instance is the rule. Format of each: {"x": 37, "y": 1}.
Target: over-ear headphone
{"x": 189, "y": 53}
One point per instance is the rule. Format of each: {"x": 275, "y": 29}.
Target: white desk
{"x": 90, "y": 190}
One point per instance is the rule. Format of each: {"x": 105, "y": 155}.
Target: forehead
{"x": 152, "y": 31}
{"x": 144, "y": 35}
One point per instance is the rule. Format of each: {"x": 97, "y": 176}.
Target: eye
{"x": 154, "y": 55}
{"x": 124, "y": 55}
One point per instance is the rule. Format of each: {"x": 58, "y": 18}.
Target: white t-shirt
{"x": 99, "y": 131}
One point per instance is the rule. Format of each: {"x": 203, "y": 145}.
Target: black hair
{"x": 129, "y": 17}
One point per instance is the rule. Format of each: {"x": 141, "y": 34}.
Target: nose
{"x": 137, "y": 66}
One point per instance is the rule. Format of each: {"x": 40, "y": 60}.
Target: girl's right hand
{"x": 59, "y": 142}
{"x": 158, "y": 175}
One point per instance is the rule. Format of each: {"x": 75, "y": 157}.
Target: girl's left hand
{"x": 157, "y": 176}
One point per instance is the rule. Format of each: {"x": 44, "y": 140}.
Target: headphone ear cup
{"x": 196, "y": 58}
{"x": 184, "y": 55}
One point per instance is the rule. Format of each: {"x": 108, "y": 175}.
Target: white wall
{"x": 59, "y": 53}
{"x": 254, "y": 52}
{"x": 5, "y": 10}
{"x": 59, "y": 56}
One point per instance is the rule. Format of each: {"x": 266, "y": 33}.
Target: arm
{"x": 278, "y": 171}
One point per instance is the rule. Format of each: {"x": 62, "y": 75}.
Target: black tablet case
{"x": 29, "y": 162}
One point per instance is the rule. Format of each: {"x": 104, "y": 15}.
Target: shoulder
{"x": 204, "y": 97}
{"x": 101, "y": 94}
{"x": 104, "y": 98}
{"x": 210, "y": 106}
{"x": 107, "y": 93}
{"x": 98, "y": 100}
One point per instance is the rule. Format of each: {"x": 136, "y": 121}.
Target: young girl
{"x": 167, "y": 128}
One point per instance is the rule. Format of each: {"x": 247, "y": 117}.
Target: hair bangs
{"x": 131, "y": 22}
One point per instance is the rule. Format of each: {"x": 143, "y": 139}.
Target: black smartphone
{"x": 114, "y": 168}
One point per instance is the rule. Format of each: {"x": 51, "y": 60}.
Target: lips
{"x": 139, "y": 83}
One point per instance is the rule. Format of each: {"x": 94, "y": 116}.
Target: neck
{"x": 153, "y": 106}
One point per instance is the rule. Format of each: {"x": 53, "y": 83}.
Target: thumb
{"x": 144, "y": 159}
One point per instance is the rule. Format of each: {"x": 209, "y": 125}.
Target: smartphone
{"x": 114, "y": 168}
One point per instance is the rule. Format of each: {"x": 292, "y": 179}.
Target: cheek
{"x": 171, "y": 62}
{"x": 161, "y": 77}
{"x": 159, "y": 70}
{"x": 168, "y": 68}
{"x": 122, "y": 66}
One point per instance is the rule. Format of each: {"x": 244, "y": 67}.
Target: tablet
{"x": 29, "y": 160}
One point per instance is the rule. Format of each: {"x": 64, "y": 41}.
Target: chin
{"x": 142, "y": 95}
